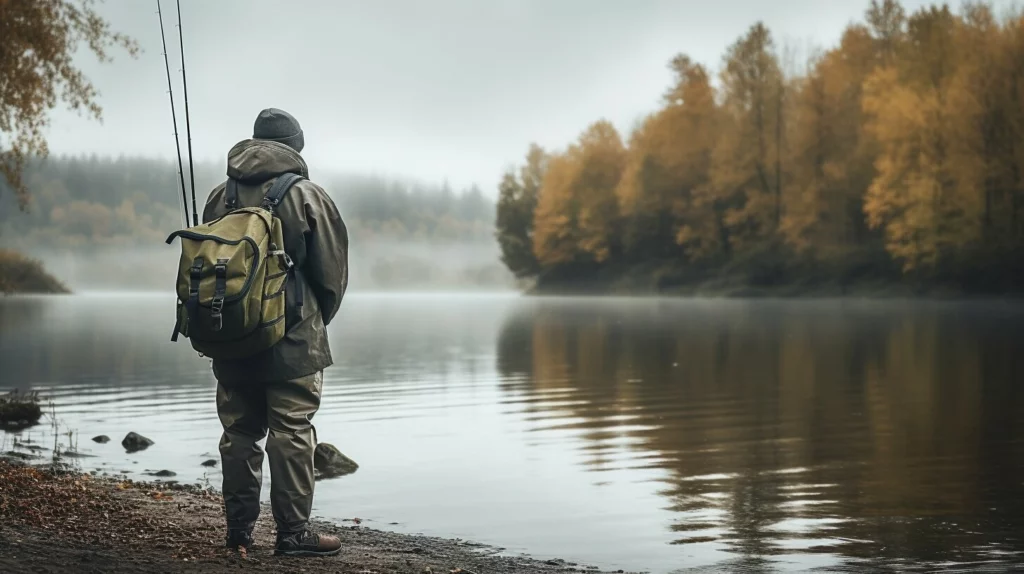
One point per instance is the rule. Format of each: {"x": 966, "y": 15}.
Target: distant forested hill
{"x": 101, "y": 222}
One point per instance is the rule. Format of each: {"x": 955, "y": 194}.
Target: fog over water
{"x": 387, "y": 265}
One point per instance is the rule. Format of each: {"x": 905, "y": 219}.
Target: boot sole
{"x": 306, "y": 553}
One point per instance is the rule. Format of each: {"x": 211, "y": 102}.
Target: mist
{"x": 100, "y": 224}
{"x": 389, "y": 265}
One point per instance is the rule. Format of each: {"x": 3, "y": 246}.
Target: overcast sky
{"x": 429, "y": 89}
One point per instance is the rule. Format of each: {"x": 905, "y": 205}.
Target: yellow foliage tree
{"x": 664, "y": 194}
{"x": 831, "y": 160}
{"x": 577, "y": 213}
{"x": 746, "y": 172}
{"x": 925, "y": 194}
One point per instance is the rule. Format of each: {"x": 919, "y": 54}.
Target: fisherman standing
{"x": 278, "y": 390}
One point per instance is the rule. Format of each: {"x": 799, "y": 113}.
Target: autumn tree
{"x": 577, "y": 216}
{"x": 517, "y": 201}
{"x": 886, "y": 19}
{"x": 989, "y": 131}
{"x": 37, "y": 71}
{"x": 830, "y": 156}
{"x": 664, "y": 195}
{"x": 924, "y": 205}
{"x": 747, "y": 168}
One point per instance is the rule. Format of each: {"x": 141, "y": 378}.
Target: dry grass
{"x": 19, "y": 410}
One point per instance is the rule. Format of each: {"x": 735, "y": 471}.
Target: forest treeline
{"x": 101, "y": 223}
{"x": 80, "y": 201}
{"x": 893, "y": 158}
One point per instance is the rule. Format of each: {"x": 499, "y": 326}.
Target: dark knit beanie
{"x": 279, "y": 126}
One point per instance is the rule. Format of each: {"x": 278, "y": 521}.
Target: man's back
{"x": 276, "y": 393}
{"x": 316, "y": 239}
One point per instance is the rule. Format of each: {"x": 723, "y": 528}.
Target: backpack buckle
{"x": 195, "y": 274}
{"x": 281, "y": 254}
{"x": 270, "y": 203}
{"x": 220, "y": 288}
{"x": 216, "y": 306}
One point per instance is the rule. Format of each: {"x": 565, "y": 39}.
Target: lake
{"x": 642, "y": 434}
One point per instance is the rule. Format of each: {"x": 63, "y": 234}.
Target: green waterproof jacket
{"x": 316, "y": 239}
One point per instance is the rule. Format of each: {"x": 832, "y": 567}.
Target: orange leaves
{"x": 945, "y": 122}
{"x": 577, "y": 212}
{"x": 37, "y": 65}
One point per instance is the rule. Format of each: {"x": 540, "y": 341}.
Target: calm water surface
{"x": 637, "y": 434}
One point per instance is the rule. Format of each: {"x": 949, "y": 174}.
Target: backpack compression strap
{"x": 281, "y": 186}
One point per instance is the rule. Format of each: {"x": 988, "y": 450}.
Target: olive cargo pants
{"x": 247, "y": 412}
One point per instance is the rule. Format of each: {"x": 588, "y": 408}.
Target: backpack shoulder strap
{"x": 281, "y": 186}
{"x": 231, "y": 193}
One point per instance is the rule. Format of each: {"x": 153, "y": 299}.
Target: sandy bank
{"x": 63, "y": 521}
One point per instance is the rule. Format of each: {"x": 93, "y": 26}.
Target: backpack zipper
{"x": 184, "y": 233}
{"x": 243, "y": 211}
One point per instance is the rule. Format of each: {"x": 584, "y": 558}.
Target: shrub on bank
{"x": 19, "y": 410}
{"x": 20, "y": 274}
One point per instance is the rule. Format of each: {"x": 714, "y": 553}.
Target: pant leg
{"x": 290, "y": 409}
{"x": 243, "y": 414}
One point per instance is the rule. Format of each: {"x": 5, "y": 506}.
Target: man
{"x": 279, "y": 390}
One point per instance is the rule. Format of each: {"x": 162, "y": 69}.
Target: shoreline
{"x": 614, "y": 293}
{"x": 794, "y": 292}
{"x": 56, "y": 520}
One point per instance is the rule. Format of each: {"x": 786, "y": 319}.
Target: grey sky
{"x": 425, "y": 89}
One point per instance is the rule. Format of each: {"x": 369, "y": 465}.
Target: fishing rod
{"x": 188, "y": 124}
{"x": 174, "y": 117}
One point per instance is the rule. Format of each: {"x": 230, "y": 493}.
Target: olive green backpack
{"x": 232, "y": 277}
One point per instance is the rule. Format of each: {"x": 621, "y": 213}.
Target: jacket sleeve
{"x": 326, "y": 265}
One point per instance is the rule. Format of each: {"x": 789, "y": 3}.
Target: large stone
{"x": 134, "y": 442}
{"x": 329, "y": 462}
{"x": 102, "y": 439}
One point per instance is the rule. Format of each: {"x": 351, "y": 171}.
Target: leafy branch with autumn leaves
{"x": 38, "y": 72}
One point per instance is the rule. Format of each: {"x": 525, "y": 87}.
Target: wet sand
{"x": 54, "y": 520}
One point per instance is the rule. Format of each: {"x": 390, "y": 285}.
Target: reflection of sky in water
{"x": 636, "y": 434}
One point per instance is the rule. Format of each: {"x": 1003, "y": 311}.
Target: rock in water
{"x": 211, "y": 462}
{"x": 329, "y": 462}
{"x": 165, "y": 473}
{"x": 135, "y": 442}
{"x": 102, "y": 439}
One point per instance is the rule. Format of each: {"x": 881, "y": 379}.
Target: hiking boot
{"x": 306, "y": 543}
{"x": 239, "y": 538}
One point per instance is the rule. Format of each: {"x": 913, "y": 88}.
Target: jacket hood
{"x": 256, "y": 161}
